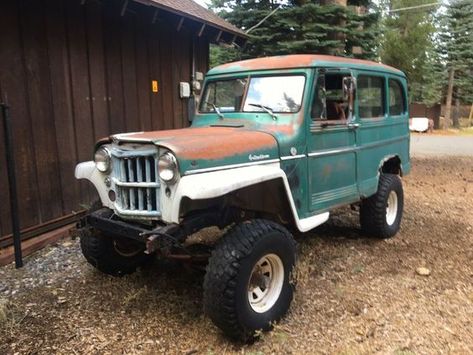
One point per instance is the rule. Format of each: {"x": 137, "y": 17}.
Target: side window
{"x": 329, "y": 102}
{"x": 397, "y": 105}
{"x": 370, "y": 96}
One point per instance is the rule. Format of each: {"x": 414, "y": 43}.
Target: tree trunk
{"x": 448, "y": 106}
{"x": 334, "y": 2}
{"x": 335, "y": 35}
{"x": 456, "y": 114}
{"x": 358, "y": 50}
{"x": 470, "y": 117}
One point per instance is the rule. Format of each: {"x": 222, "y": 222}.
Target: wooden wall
{"x": 74, "y": 73}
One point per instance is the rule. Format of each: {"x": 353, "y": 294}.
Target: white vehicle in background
{"x": 419, "y": 124}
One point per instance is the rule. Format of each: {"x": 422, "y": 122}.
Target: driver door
{"x": 332, "y": 142}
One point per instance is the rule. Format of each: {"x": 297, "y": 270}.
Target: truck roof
{"x": 301, "y": 61}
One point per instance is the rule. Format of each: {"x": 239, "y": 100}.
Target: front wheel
{"x": 112, "y": 256}
{"x": 248, "y": 285}
{"x": 381, "y": 214}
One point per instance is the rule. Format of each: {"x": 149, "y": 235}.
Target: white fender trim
{"x": 87, "y": 170}
{"x": 219, "y": 183}
{"x": 207, "y": 185}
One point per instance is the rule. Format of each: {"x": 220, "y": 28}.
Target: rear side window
{"x": 397, "y": 104}
{"x": 370, "y": 96}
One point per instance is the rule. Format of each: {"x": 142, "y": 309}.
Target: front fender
{"x": 88, "y": 171}
{"x": 219, "y": 183}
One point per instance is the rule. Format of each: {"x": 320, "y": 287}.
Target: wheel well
{"x": 267, "y": 199}
{"x": 392, "y": 166}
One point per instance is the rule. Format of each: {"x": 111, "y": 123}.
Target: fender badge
{"x": 254, "y": 157}
{"x": 293, "y": 151}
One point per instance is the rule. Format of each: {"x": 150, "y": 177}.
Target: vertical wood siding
{"x": 75, "y": 73}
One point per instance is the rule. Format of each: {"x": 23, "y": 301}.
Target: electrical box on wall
{"x": 199, "y": 76}
{"x": 184, "y": 90}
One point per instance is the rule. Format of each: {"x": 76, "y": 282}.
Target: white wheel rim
{"x": 391, "y": 208}
{"x": 266, "y": 282}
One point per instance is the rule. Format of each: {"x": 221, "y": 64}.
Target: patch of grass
{"x": 3, "y": 311}
{"x": 357, "y": 269}
{"x": 466, "y": 131}
{"x": 280, "y": 335}
{"x": 255, "y": 353}
{"x": 134, "y": 295}
{"x": 10, "y": 317}
{"x": 404, "y": 352}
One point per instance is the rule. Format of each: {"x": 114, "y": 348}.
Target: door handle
{"x": 353, "y": 125}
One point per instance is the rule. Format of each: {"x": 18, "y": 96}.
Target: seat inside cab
{"x": 330, "y": 89}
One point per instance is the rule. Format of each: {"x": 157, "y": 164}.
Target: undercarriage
{"x": 168, "y": 240}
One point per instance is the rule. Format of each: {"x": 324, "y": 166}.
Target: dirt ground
{"x": 354, "y": 295}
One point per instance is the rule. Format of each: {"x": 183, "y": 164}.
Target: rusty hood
{"x": 210, "y": 147}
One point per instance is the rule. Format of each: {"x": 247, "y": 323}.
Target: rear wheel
{"x": 381, "y": 214}
{"x": 248, "y": 285}
{"x": 112, "y": 256}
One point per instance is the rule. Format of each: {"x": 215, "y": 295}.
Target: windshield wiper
{"x": 219, "y": 113}
{"x": 216, "y": 109}
{"x": 265, "y": 108}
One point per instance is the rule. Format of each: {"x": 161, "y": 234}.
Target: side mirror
{"x": 349, "y": 92}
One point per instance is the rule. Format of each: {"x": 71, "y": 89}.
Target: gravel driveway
{"x": 354, "y": 295}
{"x": 423, "y": 145}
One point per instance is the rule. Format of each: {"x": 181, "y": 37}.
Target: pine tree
{"x": 304, "y": 26}
{"x": 407, "y": 41}
{"x": 458, "y": 43}
{"x": 434, "y": 79}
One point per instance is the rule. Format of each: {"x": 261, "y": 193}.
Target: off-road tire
{"x": 373, "y": 210}
{"x": 226, "y": 283}
{"x": 101, "y": 252}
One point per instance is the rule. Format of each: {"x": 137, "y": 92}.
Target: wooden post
{"x": 9, "y": 156}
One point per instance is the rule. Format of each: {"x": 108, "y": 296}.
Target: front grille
{"x": 136, "y": 182}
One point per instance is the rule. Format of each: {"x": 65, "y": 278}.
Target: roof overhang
{"x": 222, "y": 30}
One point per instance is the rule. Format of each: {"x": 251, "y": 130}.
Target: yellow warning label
{"x": 154, "y": 85}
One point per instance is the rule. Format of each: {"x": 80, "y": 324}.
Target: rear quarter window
{"x": 371, "y": 96}
{"x": 397, "y": 103}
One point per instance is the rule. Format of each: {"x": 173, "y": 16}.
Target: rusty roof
{"x": 300, "y": 61}
{"x": 191, "y": 9}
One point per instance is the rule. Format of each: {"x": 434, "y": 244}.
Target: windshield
{"x": 280, "y": 94}
{"x": 223, "y": 95}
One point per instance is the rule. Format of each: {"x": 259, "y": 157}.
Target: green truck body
{"x": 275, "y": 144}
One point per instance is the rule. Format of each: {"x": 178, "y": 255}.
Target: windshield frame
{"x": 249, "y": 77}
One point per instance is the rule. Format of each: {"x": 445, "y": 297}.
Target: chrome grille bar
{"x": 139, "y": 174}
{"x": 131, "y": 178}
{"x": 135, "y": 180}
{"x": 148, "y": 178}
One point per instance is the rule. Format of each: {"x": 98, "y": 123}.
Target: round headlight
{"x": 103, "y": 159}
{"x": 167, "y": 167}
